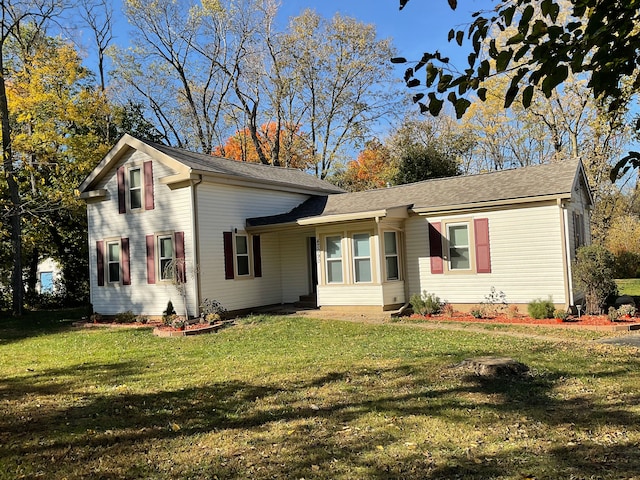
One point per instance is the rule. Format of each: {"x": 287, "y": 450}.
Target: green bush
{"x": 125, "y": 317}
{"x": 425, "y": 304}
{"x": 539, "y": 308}
{"x": 593, "y": 274}
{"x": 561, "y": 314}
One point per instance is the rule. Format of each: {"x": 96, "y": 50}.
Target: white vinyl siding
{"x": 526, "y": 257}
{"x": 172, "y": 212}
{"x": 223, "y": 208}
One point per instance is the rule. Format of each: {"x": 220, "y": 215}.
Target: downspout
{"x": 196, "y": 241}
{"x": 566, "y": 258}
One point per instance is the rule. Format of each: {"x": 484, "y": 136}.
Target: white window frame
{"x": 331, "y": 260}
{"x": 356, "y": 258}
{"x": 395, "y": 255}
{"x": 109, "y": 261}
{"x": 160, "y": 258}
{"x": 469, "y": 246}
{"x": 237, "y": 255}
{"x": 139, "y": 188}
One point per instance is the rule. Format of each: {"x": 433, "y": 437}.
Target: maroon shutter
{"x": 180, "y": 260}
{"x": 435, "y": 247}
{"x": 100, "y": 262}
{"x": 122, "y": 199}
{"x": 257, "y": 257}
{"x": 148, "y": 186}
{"x": 126, "y": 264}
{"x": 151, "y": 259}
{"x": 483, "y": 252}
{"x": 228, "y": 255}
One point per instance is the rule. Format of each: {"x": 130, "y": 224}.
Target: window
{"x": 135, "y": 189}
{"x": 391, "y": 255}
{"x": 334, "y": 259}
{"x": 46, "y": 282}
{"x": 459, "y": 246}
{"x": 165, "y": 256}
{"x": 113, "y": 262}
{"x": 362, "y": 257}
{"x": 242, "y": 255}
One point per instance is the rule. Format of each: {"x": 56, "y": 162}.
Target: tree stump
{"x": 496, "y": 367}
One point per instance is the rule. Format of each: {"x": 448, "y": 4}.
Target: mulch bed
{"x": 574, "y": 321}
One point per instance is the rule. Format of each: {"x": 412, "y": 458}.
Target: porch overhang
{"x": 392, "y": 212}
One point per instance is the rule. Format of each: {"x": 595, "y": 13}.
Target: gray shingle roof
{"x": 203, "y": 163}
{"x": 549, "y": 180}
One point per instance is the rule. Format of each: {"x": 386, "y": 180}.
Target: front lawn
{"x": 289, "y": 397}
{"x": 629, "y": 286}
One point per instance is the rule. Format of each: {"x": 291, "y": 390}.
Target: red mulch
{"x": 585, "y": 320}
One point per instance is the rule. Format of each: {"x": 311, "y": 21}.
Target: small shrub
{"x": 95, "y": 317}
{"x": 125, "y": 317}
{"x": 494, "y": 303}
{"x": 613, "y": 314}
{"x": 539, "y": 308}
{"x": 169, "y": 314}
{"x": 512, "y": 311}
{"x": 142, "y": 319}
{"x": 447, "y": 310}
{"x": 425, "y": 304}
{"x": 561, "y": 314}
{"x": 477, "y": 313}
{"x": 178, "y": 322}
{"x": 211, "y": 310}
{"x": 627, "y": 309}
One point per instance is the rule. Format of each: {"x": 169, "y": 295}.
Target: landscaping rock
{"x": 496, "y": 367}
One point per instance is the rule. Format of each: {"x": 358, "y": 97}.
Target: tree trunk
{"x": 14, "y": 197}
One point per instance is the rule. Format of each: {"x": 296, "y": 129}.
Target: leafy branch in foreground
{"x": 546, "y": 42}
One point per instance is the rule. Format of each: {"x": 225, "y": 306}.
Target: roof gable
{"x": 187, "y": 163}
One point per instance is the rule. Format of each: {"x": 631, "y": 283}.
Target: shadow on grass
{"x": 36, "y": 323}
{"x": 289, "y": 430}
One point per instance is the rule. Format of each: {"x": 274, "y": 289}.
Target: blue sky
{"x": 421, "y": 26}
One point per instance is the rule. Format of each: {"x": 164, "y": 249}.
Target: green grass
{"x": 287, "y": 397}
{"x": 629, "y": 286}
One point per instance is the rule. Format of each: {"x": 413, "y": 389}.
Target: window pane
{"x": 392, "y": 268}
{"x": 460, "y": 259}
{"x": 136, "y": 198}
{"x": 334, "y": 271}
{"x": 334, "y": 249}
{"x": 361, "y": 245}
{"x": 458, "y": 235}
{"x": 134, "y": 178}
{"x": 114, "y": 272}
{"x": 165, "y": 269}
{"x": 113, "y": 252}
{"x": 243, "y": 265}
{"x": 390, "y": 247}
{"x": 241, "y": 245}
{"x": 166, "y": 247}
{"x": 363, "y": 270}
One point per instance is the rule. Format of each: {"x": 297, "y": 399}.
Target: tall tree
{"x": 343, "y": 81}
{"x": 14, "y": 14}
{"x": 374, "y": 168}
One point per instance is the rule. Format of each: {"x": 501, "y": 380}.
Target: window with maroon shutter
{"x": 100, "y": 262}
{"x": 483, "y": 251}
{"x": 228, "y": 255}
{"x": 257, "y": 257}
{"x": 435, "y": 247}
{"x": 148, "y": 186}
{"x": 126, "y": 265}
{"x": 122, "y": 198}
{"x": 151, "y": 259}
{"x": 181, "y": 265}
